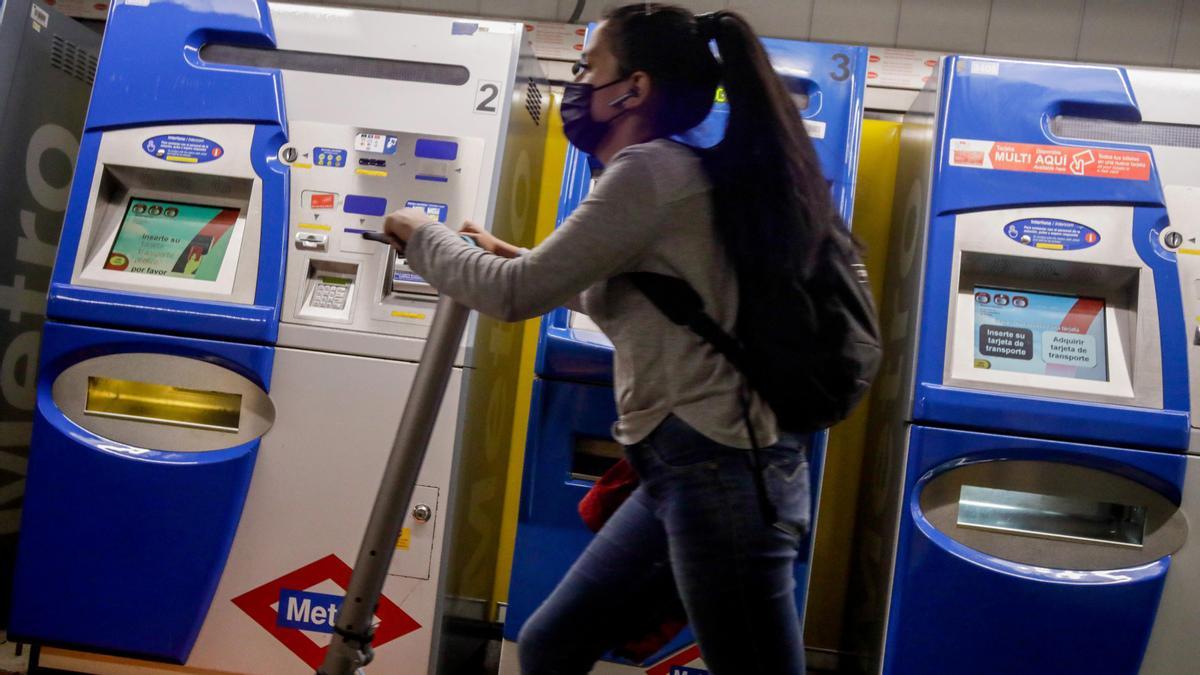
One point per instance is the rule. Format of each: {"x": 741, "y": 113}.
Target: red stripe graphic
{"x": 679, "y": 658}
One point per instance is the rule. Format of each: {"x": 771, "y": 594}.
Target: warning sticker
{"x": 182, "y": 148}
{"x": 1052, "y": 234}
{"x": 1051, "y": 159}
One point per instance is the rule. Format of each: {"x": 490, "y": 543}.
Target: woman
{"x": 729, "y": 223}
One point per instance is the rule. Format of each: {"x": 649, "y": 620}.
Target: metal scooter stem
{"x": 351, "y": 646}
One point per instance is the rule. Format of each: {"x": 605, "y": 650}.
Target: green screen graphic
{"x": 172, "y": 239}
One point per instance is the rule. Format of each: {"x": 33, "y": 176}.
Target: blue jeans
{"x": 693, "y": 531}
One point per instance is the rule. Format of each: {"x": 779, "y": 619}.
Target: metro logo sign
{"x": 301, "y": 610}
{"x": 1052, "y": 159}
{"x": 315, "y": 612}
{"x": 677, "y": 663}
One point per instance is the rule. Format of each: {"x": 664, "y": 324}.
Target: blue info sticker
{"x": 1040, "y": 334}
{"x": 432, "y": 209}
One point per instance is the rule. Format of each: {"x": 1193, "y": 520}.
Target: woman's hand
{"x": 489, "y": 242}
{"x": 401, "y": 225}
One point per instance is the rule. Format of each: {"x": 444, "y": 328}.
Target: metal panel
{"x": 792, "y": 19}
{"x": 541, "y": 10}
{"x": 949, "y": 26}
{"x": 1048, "y": 30}
{"x": 1187, "y": 42}
{"x": 870, "y": 22}
{"x": 42, "y": 105}
{"x": 1135, "y": 32}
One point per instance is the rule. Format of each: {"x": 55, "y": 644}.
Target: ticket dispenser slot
{"x": 403, "y": 279}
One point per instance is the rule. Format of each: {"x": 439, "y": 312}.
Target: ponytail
{"x": 773, "y": 207}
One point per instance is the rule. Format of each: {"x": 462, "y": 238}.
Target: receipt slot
{"x": 1034, "y": 482}
{"x": 572, "y": 409}
{"x": 228, "y": 358}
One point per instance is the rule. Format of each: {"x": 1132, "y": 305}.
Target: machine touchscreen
{"x": 1040, "y": 334}
{"x": 172, "y": 239}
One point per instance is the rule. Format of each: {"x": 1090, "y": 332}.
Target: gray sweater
{"x": 651, "y": 210}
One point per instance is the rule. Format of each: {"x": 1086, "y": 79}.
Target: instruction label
{"x": 432, "y": 209}
{"x": 1069, "y": 349}
{"x": 1006, "y": 342}
{"x": 1050, "y": 159}
{"x": 182, "y": 148}
{"x": 376, "y": 143}
{"x": 1051, "y": 234}
{"x": 334, "y": 157}
{"x": 1040, "y": 333}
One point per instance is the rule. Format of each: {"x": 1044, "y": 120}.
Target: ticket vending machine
{"x": 227, "y": 359}
{"x": 573, "y": 409}
{"x": 1030, "y": 503}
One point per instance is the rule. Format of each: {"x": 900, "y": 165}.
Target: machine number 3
{"x": 842, "y": 72}
{"x": 485, "y": 98}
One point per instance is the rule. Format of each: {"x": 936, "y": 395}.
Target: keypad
{"x": 330, "y": 296}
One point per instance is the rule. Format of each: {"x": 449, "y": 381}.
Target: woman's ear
{"x": 640, "y": 88}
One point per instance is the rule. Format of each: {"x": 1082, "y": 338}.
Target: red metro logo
{"x": 300, "y": 610}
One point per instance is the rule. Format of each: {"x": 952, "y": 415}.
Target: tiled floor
{"x": 9, "y": 661}
{"x": 478, "y": 657}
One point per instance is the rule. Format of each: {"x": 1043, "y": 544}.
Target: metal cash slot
{"x": 150, "y": 400}
{"x": 163, "y": 404}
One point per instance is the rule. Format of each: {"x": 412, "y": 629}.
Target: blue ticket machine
{"x": 1034, "y": 476}
{"x": 573, "y": 409}
{"x": 169, "y": 274}
{"x": 227, "y": 358}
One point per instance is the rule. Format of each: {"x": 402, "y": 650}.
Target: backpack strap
{"x": 682, "y": 305}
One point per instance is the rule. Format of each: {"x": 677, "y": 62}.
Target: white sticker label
{"x": 985, "y": 67}
{"x": 370, "y": 142}
{"x": 487, "y": 99}
{"x": 137, "y": 3}
{"x": 41, "y": 18}
{"x": 814, "y": 128}
{"x": 1069, "y": 349}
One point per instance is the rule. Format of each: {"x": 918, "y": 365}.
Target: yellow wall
{"x": 552, "y": 173}
{"x": 835, "y": 522}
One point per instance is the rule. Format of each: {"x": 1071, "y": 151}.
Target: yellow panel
{"x": 495, "y": 393}
{"x": 552, "y": 173}
{"x": 163, "y": 404}
{"x": 872, "y": 221}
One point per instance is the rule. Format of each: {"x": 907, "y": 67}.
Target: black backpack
{"x": 810, "y": 348}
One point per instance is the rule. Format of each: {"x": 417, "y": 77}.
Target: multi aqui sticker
{"x": 1050, "y": 159}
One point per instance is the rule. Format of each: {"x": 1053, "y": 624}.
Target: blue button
{"x": 365, "y": 206}
{"x": 429, "y": 148}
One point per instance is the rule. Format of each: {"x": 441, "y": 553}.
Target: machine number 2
{"x": 485, "y": 98}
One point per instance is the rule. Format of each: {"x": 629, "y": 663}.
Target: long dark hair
{"x": 773, "y": 205}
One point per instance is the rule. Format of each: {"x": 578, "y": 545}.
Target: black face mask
{"x": 581, "y": 129}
